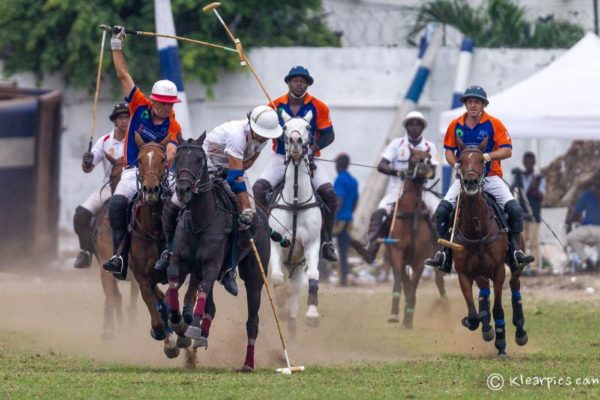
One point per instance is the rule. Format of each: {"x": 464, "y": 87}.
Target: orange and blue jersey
{"x": 141, "y": 122}
{"x": 489, "y": 127}
{"x": 320, "y": 124}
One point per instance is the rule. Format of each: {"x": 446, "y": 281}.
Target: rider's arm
{"x": 250, "y": 162}
{"x": 450, "y": 157}
{"x": 121, "y": 69}
{"x": 325, "y": 138}
{"x": 385, "y": 167}
{"x": 171, "y": 150}
{"x": 237, "y": 164}
{"x": 501, "y": 154}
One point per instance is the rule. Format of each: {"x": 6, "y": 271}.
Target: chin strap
{"x": 298, "y": 97}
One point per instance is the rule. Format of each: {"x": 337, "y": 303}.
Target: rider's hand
{"x": 399, "y": 173}
{"x": 245, "y": 219}
{"x": 487, "y": 157}
{"x": 118, "y": 36}
{"x": 87, "y": 160}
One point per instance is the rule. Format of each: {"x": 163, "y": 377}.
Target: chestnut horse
{"x": 103, "y": 251}
{"x": 413, "y": 232}
{"x": 484, "y": 254}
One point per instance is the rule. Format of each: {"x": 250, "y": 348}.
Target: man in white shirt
{"x": 234, "y": 145}
{"x": 394, "y": 162}
{"x": 111, "y": 144}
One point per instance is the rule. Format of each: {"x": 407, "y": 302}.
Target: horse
{"x": 485, "y": 243}
{"x": 414, "y": 229}
{"x": 206, "y": 239}
{"x": 145, "y": 229}
{"x": 297, "y": 208}
{"x": 103, "y": 249}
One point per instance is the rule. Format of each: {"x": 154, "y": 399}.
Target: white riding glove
{"x": 116, "y": 41}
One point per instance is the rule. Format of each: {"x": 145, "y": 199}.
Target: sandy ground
{"x": 59, "y": 309}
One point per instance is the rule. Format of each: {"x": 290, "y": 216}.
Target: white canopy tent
{"x": 560, "y": 101}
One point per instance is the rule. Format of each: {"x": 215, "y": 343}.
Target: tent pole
{"x": 596, "y": 16}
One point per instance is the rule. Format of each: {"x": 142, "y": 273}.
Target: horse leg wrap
{"x": 395, "y": 303}
{"x": 200, "y": 304}
{"x": 205, "y": 325}
{"x": 313, "y": 292}
{"x": 188, "y": 313}
{"x": 163, "y": 311}
{"x": 249, "y": 362}
{"x": 518, "y": 316}
{"x": 173, "y": 298}
{"x": 484, "y": 306}
{"x": 500, "y": 342}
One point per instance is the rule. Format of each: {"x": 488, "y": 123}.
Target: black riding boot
{"x": 82, "y": 224}
{"x": 443, "y": 258}
{"x": 518, "y": 259}
{"x": 117, "y": 215}
{"x": 260, "y": 189}
{"x": 376, "y": 227}
{"x": 170, "y": 213}
{"x": 329, "y": 197}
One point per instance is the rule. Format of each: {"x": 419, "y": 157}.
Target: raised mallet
{"x": 100, "y": 58}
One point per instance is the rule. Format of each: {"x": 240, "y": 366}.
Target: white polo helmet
{"x": 415, "y": 115}
{"x": 165, "y": 91}
{"x": 264, "y": 121}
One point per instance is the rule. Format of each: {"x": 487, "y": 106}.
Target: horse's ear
{"x": 308, "y": 117}
{"x": 285, "y": 116}
{"x": 165, "y": 141}
{"x": 200, "y": 140}
{"x": 180, "y": 138}
{"x": 483, "y": 144}
{"x": 110, "y": 158}
{"x": 139, "y": 141}
{"x": 460, "y": 143}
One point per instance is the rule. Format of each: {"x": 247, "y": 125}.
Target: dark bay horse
{"x": 103, "y": 251}
{"x": 145, "y": 229}
{"x": 412, "y": 233}
{"x": 484, "y": 254}
{"x": 205, "y": 241}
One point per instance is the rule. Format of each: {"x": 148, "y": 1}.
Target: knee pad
{"x": 82, "y": 220}
{"x": 328, "y": 195}
{"x": 515, "y": 216}
{"x": 117, "y": 212}
{"x": 443, "y": 213}
{"x": 260, "y": 189}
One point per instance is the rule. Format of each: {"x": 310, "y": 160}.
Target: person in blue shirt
{"x": 587, "y": 210}
{"x": 346, "y": 190}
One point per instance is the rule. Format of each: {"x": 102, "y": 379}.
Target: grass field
{"x": 433, "y": 360}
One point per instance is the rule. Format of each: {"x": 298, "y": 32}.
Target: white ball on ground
{"x": 590, "y": 290}
{"x": 286, "y": 371}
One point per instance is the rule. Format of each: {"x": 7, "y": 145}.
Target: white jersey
{"x": 109, "y": 145}
{"x": 398, "y": 154}
{"x": 233, "y": 138}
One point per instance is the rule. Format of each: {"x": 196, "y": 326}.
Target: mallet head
{"x": 211, "y": 6}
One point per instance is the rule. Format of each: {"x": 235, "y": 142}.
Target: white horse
{"x": 297, "y": 209}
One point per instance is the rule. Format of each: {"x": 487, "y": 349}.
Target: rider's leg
{"x": 271, "y": 176}
{"x": 260, "y": 189}
{"x": 330, "y": 199}
{"x": 117, "y": 216}
{"x": 170, "y": 213}
{"x": 515, "y": 226}
{"x": 82, "y": 224}
{"x": 443, "y": 258}
{"x": 376, "y": 230}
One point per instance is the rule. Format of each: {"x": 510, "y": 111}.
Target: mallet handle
{"x": 451, "y": 244}
{"x": 99, "y": 74}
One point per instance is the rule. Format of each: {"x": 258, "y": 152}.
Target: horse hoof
{"x": 246, "y": 368}
{"x": 277, "y": 278}
{"x": 171, "y": 352}
{"x": 488, "y": 335}
{"x": 107, "y": 335}
{"x": 502, "y": 357}
{"x": 522, "y": 341}
{"x": 469, "y": 324}
{"x": 407, "y": 325}
{"x": 394, "y": 319}
{"x": 183, "y": 342}
{"x": 202, "y": 342}
{"x": 193, "y": 332}
{"x": 157, "y": 335}
{"x": 312, "y": 322}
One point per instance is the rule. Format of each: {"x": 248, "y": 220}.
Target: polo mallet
{"x": 451, "y": 244}
{"x": 95, "y": 107}
{"x": 289, "y": 369}
{"x": 244, "y": 60}
{"x": 389, "y": 239}
{"x": 130, "y": 31}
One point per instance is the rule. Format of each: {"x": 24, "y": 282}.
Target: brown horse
{"x": 146, "y": 234}
{"x": 414, "y": 229}
{"x": 484, "y": 254}
{"x": 103, "y": 251}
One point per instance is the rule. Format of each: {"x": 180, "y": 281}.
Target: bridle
{"x": 194, "y": 180}
{"x": 161, "y": 177}
{"x": 470, "y": 170}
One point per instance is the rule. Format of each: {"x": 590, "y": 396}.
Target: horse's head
{"x": 152, "y": 161}
{"x": 419, "y": 164}
{"x": 296, "y": 131}
{"x": 471, "y": 167}
{"x": 190, "y": 161}
{"x": 115, "y": 171}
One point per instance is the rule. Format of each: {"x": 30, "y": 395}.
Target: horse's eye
{"x": 284, "y": 127}
{"x": 307, "y": 127}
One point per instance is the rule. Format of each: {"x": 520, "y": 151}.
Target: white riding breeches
{"x": 493, "y": 185}
{"x": 394, "y": 192}
{"x": 94, "y": 203}
{"x": 274, "y": 172}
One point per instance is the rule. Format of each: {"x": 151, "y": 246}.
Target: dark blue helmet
{"x": 475, "y": 92}
{"x": 299, "y": 71}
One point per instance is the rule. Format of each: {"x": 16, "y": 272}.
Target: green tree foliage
{"x": 62, "y": 36}
{"x": 498, "y": 23}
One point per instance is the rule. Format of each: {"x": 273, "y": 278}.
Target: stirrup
{"x": 525, "y": 260}
{"x": 437, "y": 260}
{"x": 111, "y": 264}
{"x": 328, "y": 251}
{"x": 229, "y": 283}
